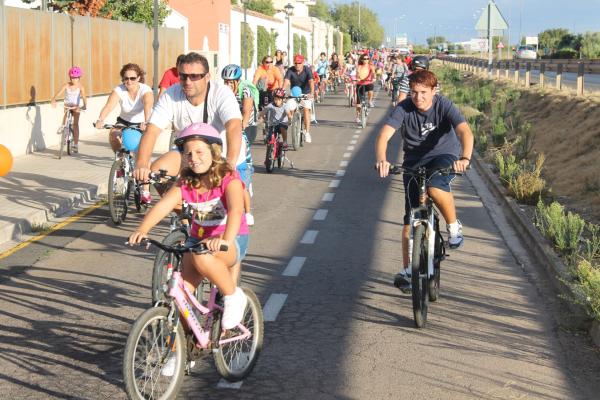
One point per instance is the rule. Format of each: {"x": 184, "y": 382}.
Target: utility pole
{"x": 155, "y": 45}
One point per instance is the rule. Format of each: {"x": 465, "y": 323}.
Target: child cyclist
{"x": 278, "y": 114}
{"x": 74, "y": 93}
{"x": 215, "y": 192}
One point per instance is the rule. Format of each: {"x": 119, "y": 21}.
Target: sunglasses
{"x": 129, "y": 78}
{"x": 193, "y": 77}
{"x": 268, "y": 62}
{"x": 298, "y": 63}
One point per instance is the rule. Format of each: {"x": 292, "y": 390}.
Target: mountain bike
{"x": 66, "y": 132}
{"x": 350, "y": 89}
{"x": 426, "y": 242}
{"x": 363, "y": 104}
{"x": 296, "y": 127}
{"x": 157, "y": 339}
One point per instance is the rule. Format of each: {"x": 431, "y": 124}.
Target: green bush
{"x": 507, "y": 167}
{"x": 562, "y": 229}
{"x": 591, "y": 249}
{"x": 303, "y": 46}
{"x": 527, "y": 185}
{"x": 297, "y": 45}
{"x": 263, "y": 42}
{"x": 587, "y": 287}
{"x": 247, "y": 52}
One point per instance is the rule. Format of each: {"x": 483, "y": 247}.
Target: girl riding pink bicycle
{"x": 74, "y": 93}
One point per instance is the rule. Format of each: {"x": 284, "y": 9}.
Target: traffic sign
{"x": 500, "y": 45}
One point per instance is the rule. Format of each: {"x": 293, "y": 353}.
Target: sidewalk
{"x": 41, "y": 187}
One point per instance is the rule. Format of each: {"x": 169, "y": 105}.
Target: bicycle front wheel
{"x": 419, "y": 280}
{"x": 118, "y": 191}
{"x": 63, "y": 137}
{"x": 438, "y": 256}
{"x": 270, "y": 158}
{"x": 296, "y": 122}
{"x": 363, "y": 115}
{"x": 154, "y": 361}
{"x": 235, "y": 360}
{"x": 69, "y": 140}
{"x": 160, "y": 274}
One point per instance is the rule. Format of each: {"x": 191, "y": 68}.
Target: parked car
{"x": 526, "y": 52}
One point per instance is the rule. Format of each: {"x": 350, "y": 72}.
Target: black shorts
{"x": 126, "y": 123}
{"x": 442, "y": 182}
{"x": 362, "y": 88}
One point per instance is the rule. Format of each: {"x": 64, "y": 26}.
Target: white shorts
{"x": 306, "y": 103}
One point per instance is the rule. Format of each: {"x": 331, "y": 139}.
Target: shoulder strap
{"x": 205, "y": 116}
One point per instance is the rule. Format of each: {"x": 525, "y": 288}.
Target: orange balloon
{"x": 6, "y": 161}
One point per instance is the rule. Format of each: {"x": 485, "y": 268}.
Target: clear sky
{"x": 456, "y": 19}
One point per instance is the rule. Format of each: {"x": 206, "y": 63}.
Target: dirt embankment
{"x": 567, "y": 131}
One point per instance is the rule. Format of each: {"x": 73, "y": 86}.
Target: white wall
{"x": 177, "y": 20}
{"x": 280, "y": 26}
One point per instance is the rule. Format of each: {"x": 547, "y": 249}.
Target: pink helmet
{"x": 75, "y": 72}
{"x": 198, "y": 130}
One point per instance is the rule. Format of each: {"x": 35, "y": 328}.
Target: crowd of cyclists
{"x": 216, "y": 123}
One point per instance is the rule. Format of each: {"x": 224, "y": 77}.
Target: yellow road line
{"x": 56, "y": 227}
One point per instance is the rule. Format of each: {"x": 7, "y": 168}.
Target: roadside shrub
{"x": 527, "y": 185}
{"x": 591, "y": 250}
{"x": 566, "y": 54}
{"x": 562, "y": 229}
{"x": 499, "y": 131}
{"x": 507, "y": 167}
{"x": 524, "y": 141}
{"x": 587, "y": 287}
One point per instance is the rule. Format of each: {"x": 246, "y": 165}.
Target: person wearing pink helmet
{"x": 74, "y": 94}
{"x": 214, "y": 190}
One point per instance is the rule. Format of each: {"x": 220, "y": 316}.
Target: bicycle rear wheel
{"x": 363, "y": 114}
{"x": 62, "y": 142}
{"x": 150, "y": 347}
{"x": 118, "y": 191}
{"x": 235, "y": 360}
{"x": 279, "y": 154}
{"x": 419, "y": 280}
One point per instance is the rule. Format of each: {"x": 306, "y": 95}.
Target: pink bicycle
{"x": 159, "y": 351}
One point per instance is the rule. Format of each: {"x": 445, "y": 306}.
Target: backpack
{"x": 253, "y": 91}
{"x": 261, "y": 84}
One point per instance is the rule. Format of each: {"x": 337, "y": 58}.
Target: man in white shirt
{"x": 194, "y": 99}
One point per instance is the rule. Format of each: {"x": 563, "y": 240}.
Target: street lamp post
{"x": 289, "y": 9}
{"x": 155, "y": 46}
{"x": 244, "y": 39}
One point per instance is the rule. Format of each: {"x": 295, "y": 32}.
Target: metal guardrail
{"x": 504, "y": 68}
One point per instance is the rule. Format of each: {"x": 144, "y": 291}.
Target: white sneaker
{"x": 371, "y": 104}
{"x": 307, "y": 137}
{"x": 169, "y": 368}
{"x": 249, "y": 219}
{"x": 233, "y": 312}
{"x": 455, "y": 235}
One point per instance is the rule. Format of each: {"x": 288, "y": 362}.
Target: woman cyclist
{"x": 365, "y": 75}
{"x": 321, "y": 69}
{"x": 334, "y": 69}
{"x": 136, "y": 100}
{"x": 74, "y": 92}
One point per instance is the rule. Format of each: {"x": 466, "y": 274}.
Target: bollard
{"x": 559, "y": 69}
{"x": 507, "y": 70}
{"x": 528, "y": 74}
{"x": 542, "y": 72}
{"x": 580, "y": 70}
{"x": 516, "y": 78}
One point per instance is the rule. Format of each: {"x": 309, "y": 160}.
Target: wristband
{"x": 465, "y": 158}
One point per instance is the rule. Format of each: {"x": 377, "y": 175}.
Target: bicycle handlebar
{"x": 396, "y": 169}
{"x": 198, "y": 248}
{"x": 159, "y": 176}
{"x": 119, "y": 125}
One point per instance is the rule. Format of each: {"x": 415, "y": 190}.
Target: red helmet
{"x": 298, "y": 58}
{"x": 279, "y": 93}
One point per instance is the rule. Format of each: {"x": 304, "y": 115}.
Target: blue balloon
{"x": 131, "y": 139}
{"x": 296, "y": 91}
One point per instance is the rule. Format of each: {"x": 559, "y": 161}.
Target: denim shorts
{"x": 246, "y": 170}
{"x": 438, "y": 181}
{"x": 241, "y": 244}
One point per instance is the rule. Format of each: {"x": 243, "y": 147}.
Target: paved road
{"x": 343, "y": 331}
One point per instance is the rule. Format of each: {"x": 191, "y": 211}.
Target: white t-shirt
{"x": 132, "y": 110}
{"x": 173, "y": 107}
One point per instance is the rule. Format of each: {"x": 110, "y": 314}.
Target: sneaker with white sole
{"x": 233, "y": 310}
{"x": 307, "y": 137}
{"x": 455, "y": 235}
{"x": 402, "y": 280}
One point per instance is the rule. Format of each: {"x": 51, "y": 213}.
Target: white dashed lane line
{"x": 353, "y": 141}
{"x": 334, "y": 183}
{"x": 224, "y": 384}
{"x": 309, "y": 237}
{"x": 344, "y": 164}
{"x": 294, "y": 266}
{"x": 350, "y": 148}
{"x": 347, "y": 155}
{"x": 273, "y": 306}
{"x": 320, "y": 215}
{"x": 328, "y": 197}
{"x": 355, "y": 136}
{"x": 340, "y": 172}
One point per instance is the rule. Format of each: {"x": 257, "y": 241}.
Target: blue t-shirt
{"x": 301, "y": 79}
{"x": 322, "y": 67}
{"x": 430, "y": 133}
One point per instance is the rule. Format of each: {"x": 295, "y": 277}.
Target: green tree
{"x": 369, "y": 32}
{"x": 247, "y": 51}
{"x": 321, "y": 11}
{"x": 263, "y": 42}
{"x": 303, "y": 46}
{"x": 262, "y": 6}
{"x": 433, "y": 41}
{"x": 550, "y": 39}
{"x": 590, "y": 45}
{"x": 296, "y": 45}
{"x": 141, "y": 11}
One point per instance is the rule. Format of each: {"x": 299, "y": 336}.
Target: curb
{"x": 16, "y": 229}
{"x": 538, "y": 246}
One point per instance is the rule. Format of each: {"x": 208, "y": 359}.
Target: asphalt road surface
{"x": 322, "y": 256}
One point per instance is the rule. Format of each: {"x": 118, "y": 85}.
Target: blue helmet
{"x": 131, "y": 139}
{"x": 232, "y": 72}
{"x": 296, "y": 91}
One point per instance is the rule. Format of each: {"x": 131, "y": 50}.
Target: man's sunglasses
{"x": 193, "y": 77}
{"x": 129, "y": 78}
